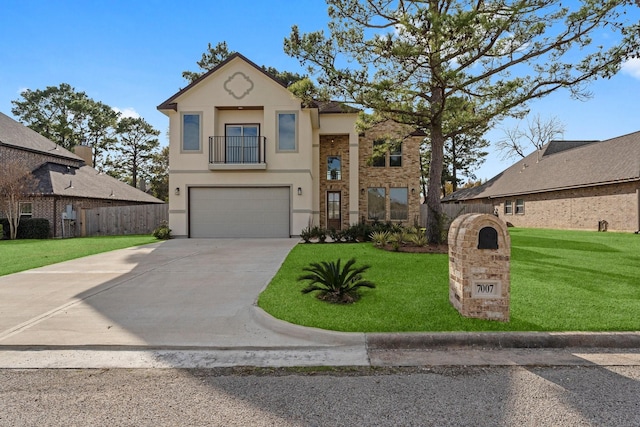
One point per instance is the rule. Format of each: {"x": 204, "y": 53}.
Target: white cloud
{"x": 632, "y": 67}
{"x": 127, "y": 112}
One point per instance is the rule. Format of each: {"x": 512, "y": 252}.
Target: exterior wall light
{"x": 177, "y": 192}
{"x": 299, "y": 191}
{"x": 362, "y": 191}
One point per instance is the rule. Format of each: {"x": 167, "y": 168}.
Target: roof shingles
{"x": 611, "y": 161}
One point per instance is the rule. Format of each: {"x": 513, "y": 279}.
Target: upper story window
{"x": 395, "y": 156}
{"x": 287, "y": 131}
{"x": 191, "y": 131}
{"x": 333, "y": 168}
{"x": 26, "y": 210}
{"x": 380, "y": 154}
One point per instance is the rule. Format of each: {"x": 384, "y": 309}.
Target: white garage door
{"x": 239, "y": 212}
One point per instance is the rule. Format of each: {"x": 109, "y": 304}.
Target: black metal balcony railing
{"x": 237, "y": 149}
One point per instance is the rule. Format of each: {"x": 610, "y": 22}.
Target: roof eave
{"x": 170, "y": 103}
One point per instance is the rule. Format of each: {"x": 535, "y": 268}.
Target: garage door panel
{"x": 239, "y": 212}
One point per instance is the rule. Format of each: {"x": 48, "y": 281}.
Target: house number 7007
{"x": 484, "y": 289}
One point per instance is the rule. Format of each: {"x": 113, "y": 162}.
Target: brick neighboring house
{"x": 568, "y": 185}
{"x": 249, "y": 159}
{"x": 65, "y": 183}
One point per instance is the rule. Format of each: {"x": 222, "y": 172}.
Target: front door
{"x": 334, "y": 220}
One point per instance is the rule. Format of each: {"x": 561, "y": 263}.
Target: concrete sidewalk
{"x": 191, "y": 303}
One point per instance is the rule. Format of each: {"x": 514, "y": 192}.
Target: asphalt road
{"x": 436, "y": 396}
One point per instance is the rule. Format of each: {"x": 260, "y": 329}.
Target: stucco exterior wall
{"x": 238, "y": 93}
{"x": 578, "y": 209}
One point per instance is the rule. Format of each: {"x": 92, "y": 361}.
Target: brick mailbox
{"x": 479, "y": 270}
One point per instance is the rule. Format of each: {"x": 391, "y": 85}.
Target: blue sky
{"x": 131, "y": 54}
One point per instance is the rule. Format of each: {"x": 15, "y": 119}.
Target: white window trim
{"x": 200, "y": 143}
{"x": 516, "y": 207}
{"x": 296, "y": 132}
{"x": 21, "y": 214}
{"x": 508, "y": 203}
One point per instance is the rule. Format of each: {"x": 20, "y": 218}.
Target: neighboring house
{"x": 65, "y": 183}
{"x": 568, "y": 185}
{"x": 248, "y": 159}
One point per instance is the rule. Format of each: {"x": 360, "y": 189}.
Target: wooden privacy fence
{"x": 122, "y": 220}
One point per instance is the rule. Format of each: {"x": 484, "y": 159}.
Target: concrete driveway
{"x": 182, "y": 293}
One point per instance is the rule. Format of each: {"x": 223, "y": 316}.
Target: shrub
{"x": 336, "y": 235}
{"x": 335, "y": 283}
{"x": 420, "y": 240}
{"x": 29, "y": 228}
{"x": 306, "y": 235}
{"x": 162, "y": 232}
{"x": 319, "y": 233}
{"x": 380, "y": 238}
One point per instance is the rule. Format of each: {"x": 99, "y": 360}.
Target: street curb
{"x": 320, "y": 336}
{"x": 422, "y": 341}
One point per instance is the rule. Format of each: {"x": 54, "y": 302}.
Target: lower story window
{"x": 26, "y": 210}
{"x": 508, "y": 207}
{"x": 376, "y": 203}
{"x": 399, "y": 203}
{"x": 519, "y": 206}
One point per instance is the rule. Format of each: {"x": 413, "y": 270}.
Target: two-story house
{"x": 248, "y": 159}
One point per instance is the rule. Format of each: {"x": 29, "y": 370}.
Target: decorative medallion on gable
{"x": 238, "y": 85}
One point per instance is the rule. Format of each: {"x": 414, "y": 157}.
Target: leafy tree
{"x": 135, "y": 149}
{"x": 336, "y": 283}
{"x": 463, "y": 155}
{"x": 96, "y": 127}
{"x": 409, "y": 58}
{"x": 537, "y": 133}
{"x": 68, "y": 118}
{"x": 51, "y": 112}
{"x": 212, "y": 57}
{"x": 159, "y": 174}
{"x": 16, "y": 181}
{"x": 286, "y": 78}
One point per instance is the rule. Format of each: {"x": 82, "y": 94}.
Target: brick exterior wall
{"x": 51, "y": 207}
{"x": 32, "y": 159}
{"x": 387, "y": 177}
{"x": 578, "y": 209}
{"x": 334, "y": 145}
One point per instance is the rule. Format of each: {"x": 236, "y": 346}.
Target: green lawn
{"x": 20, "y": 255}
{"x": 560, "y": 281}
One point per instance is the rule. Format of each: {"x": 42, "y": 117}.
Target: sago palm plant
{"x": 335, "y": 283}
{"x": 379, "y": 238}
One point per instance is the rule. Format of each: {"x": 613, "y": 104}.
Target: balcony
{"x": 237, "y": 152}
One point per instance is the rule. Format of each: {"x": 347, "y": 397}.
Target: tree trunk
{"x": 454, "y": 170}
{"x": 434, "y": 210}
{"x": 13, "y": 216}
